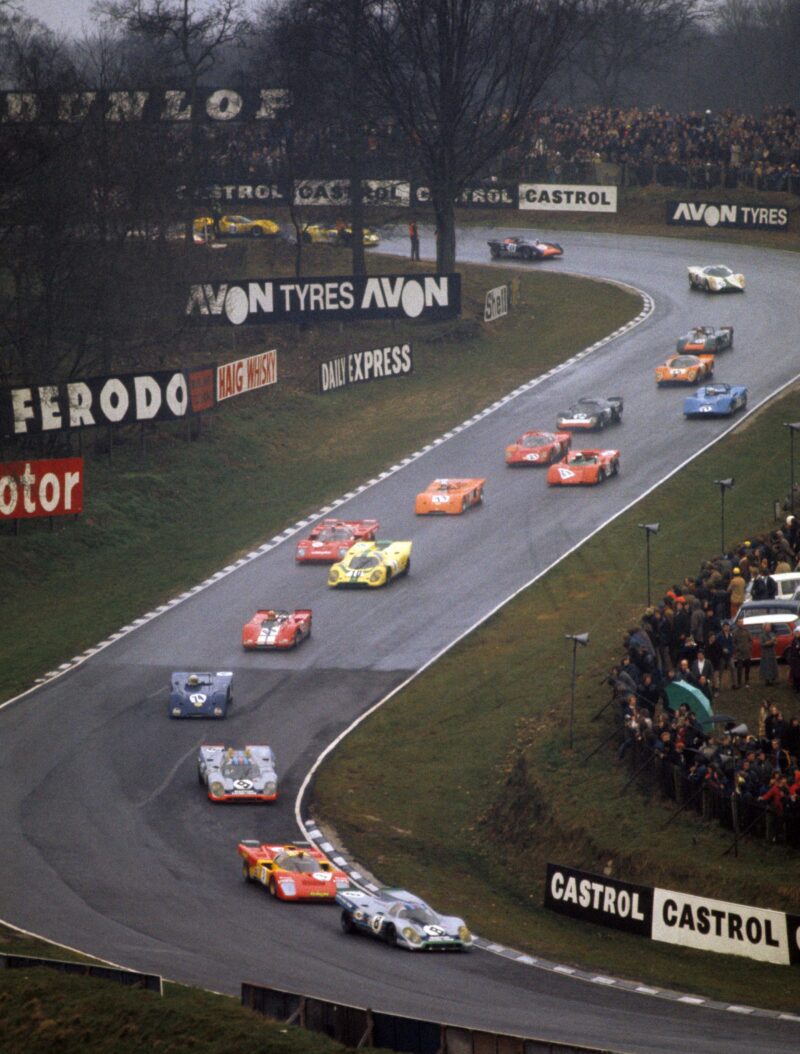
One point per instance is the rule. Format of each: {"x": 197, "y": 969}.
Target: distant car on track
{"x": 371, "y": 564}
{"x": 716, "y": 279}
{"x": 538, "y": 448}
{"x": 520, "y": 248}
{"x": 591, "y": 413}
{"x": 402, "y": 920}
{"x": 449, "y": 496}
{"x": 240, "y": 775}
{"x": 705, "y": 340}
{"x": 330, "y": 540}
{"x": 685, "y": 369}
{"x": 200, "y": 694}
{"x": 237, "y": 227}
{"x": 269, "y": 629}
{"x": 318, "y": 232}
{"x": 292, "y": 871}
{"x": 584, "y": 467}
{"x": 715, "y": 400}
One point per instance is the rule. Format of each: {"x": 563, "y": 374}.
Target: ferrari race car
{"x": 200, "y": 694}
{"x": 705, "y": 340}
{"x": 538, "y": 448}
{"x": 715, "y": 400}
{"x": 316, "y": 232}
{"x": 591, "y": 413}
{"x": 291, "y": 872}
{"x": 331, "y": 539}
{"x": 716, "y": 279}
{"x": 402, "y": 920}
{"x": 523, "y": 249}
{"x": 450, "y": 496}
{"x": 371, "y": 564}
{"x": 238, "y": 775}
{"x": 237, "y": 227}
{"x": 685, "y": 369}
{"x": 276, "y": 629}
{"x": 584, "y": 466}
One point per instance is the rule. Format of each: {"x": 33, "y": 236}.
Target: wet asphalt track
{"x": 106, "y": 841}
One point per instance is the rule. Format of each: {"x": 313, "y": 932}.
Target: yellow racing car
{"x": 316, "y": 232}
{"x": 371, "y": 564}
{"x": 237, "y": 227}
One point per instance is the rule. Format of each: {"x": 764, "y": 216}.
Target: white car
{"x": 788, "y": 583}
{"x": 716, "y": 279}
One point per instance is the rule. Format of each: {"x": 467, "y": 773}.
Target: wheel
{"x": 297, "y": 638}
{"x": 463, "y": 504}
{"x": 346, "y": 922}
{"x": 601, "y": 475}
{"x": 601, "y": 423}
{"x": 200, "y": 778}
{"x": 390, "y": 935}
{"x": 256, "y": 232}
{"x": 246, "y": 872}
{"x": 408, "y": 566}
{"x": 692, "y": 376}
{"x": 273, "y": 889}
{"x": 614, "y": 468}
{"x": 526, "y": 254}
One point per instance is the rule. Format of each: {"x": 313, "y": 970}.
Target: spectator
{"x": 768, "y": 672}
{"x": 742, "y": 654}
{"x": 793, "y": 658}
{"x": 725, "y": 642}
{"x": 736, "y": 591}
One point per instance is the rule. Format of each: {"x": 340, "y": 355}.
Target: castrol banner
{"x": 52, "y": 487}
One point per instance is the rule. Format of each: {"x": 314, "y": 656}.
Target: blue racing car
{"x": 715, "y": 400}
{"x": 200, "y": 694}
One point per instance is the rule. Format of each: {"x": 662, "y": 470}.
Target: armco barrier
{"x": 359, "y": 1027}
{"x": 150, "y": 981}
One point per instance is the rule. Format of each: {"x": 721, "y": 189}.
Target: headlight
{"x": 342, "y": 554}
{"x": 288, "y": 887}
{"x": 301, "y": 552}
{"x": 217, "y": 789}
{"x": 217, "y": 711}
{"x": 412, "y": 936}
{"x": 464, "y": 934}
{"x": 375, "y": 576}
{"x": 270, "y": 788}
{"x": 176, "y": 711}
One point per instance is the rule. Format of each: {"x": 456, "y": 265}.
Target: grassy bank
{"x": 494, "y": 816}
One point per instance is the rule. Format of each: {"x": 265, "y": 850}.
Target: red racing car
{"x": 584, "y": 466}
{"x": 292, "y": 872}
{"x": 538, "y": 448}
{"x": 276, "y": 629}
{"x": 330, "y": 540}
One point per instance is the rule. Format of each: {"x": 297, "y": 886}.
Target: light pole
{"x": 793, "y": 426}
{"x": 723, "y": 484}
{"x": 648, "y": 528}
{"x": 582, "y": 639}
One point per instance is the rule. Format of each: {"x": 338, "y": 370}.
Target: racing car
{"x": 716, "y": 279}
{"x": 591, "y": 413}
{"x": 276, "y": 629}
{"x": 538, "y": 448}
{"x": 200, "y": 694}
{"x": 291, "y": 872}
{"x": 584, "y": 467}
{"x": 401, "y": 919}
{"x": 715, "y": 400}
{"x": 706, "y": 340}
{"x": 230, "y": 774}
{"x": 371, "y": 564}
{"x": 316, "y": 232}
{"x": 523, "y": 249}
{"x": 331, "y": 539}
{"x": 237, "y": 227}
{"x": 685, "y": 369}
{"x": 451, "y": 496}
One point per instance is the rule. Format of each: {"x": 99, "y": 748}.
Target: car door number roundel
{"x": 566, "y": 473}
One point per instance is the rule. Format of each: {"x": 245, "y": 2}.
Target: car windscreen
{"x": 240, "y": 770}
{"x": 334, "y": 534}
{"x": 363, "y": 563}
{"x": 305, "y": 865}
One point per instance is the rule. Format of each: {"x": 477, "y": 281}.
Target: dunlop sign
{"x": 361, "y": 366}
{"x": 245, "y": 302}
{"x": 556, "y": 197}
{"x": 496, "y": 303}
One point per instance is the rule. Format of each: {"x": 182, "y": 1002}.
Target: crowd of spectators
{"x": 691, "y": 637}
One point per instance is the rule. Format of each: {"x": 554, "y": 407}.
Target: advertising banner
{"x": 52, "y": 487}
{"x": 717, "y": 214}
{"x": 595, "y": 898}
{"x": 719, "y": 926}
{"x": 337, "y": 192}
{"x": 558, "y": 197}
{"x": 202, "y": 384}
{"x": 121, "y": 399}
{"x": 246, "y": 375}
{"x": 247, "y": 302}
{"x": 357, "y": 367}
{"x": 486, "y": 195}
{"x": 242, "y": 193}
{"x": 496, "y": 303}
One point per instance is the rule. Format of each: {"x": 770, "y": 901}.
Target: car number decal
{"x": 198, "y": 699}
{"x": 376, "y": 923}
{"x": 440, "y": 499}
{"x": 566, "y": 473}
{"x": 434, "y": 931}
{"x": 531, "y": 457}
{"x": 242, "y": 785}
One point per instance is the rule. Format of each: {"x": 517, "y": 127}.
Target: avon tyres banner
{"x": 361, "y": 366}
{"x": 122, "y": 399}
{"x": 246, "y": 375}
{"x": 717, "y": 214}
{"x": 51, "y": 487}
{"x": 245, "y": 302}
{"x": 595, "y": 898}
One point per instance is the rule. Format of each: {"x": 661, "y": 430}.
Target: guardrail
{"x": 149, "y": 981}
{"x": 356, "y": 1027}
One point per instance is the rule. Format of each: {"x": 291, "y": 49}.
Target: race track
{"x": 107, "y": 843}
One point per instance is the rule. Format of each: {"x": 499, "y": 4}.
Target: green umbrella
{"x": 679, "y": 692}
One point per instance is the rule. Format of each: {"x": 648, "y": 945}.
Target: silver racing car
{"x": 401, "y": 919}
{"x": 232, "y": 774}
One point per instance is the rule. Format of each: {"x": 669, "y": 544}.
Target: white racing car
{"x": 402, "y": 920}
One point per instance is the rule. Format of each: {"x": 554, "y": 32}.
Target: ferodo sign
{"x": 715, "y": 214}
{"x": 122, "y": 399}
{"x": 595, "y": 898}
{"x": 360, "y": 366}
{"x": 719, "y": 926}
{"x": 556, "y": 197}
{"x": 246, "y": 375}
{"x": 41, "y": 488}
{"x": 241, "y": 301}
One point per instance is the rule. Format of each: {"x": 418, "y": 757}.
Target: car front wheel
{"x": 346, "y": 922}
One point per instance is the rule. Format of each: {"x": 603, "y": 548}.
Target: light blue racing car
{"x": 401, "y": 919}
{"x": 715, "y": 400}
